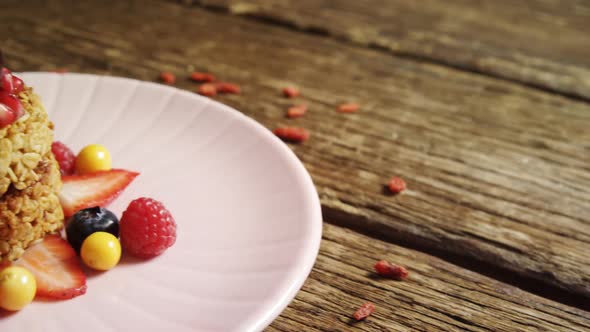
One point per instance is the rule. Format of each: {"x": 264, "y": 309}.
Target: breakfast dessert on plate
{"x": 52, "y": 207}
{"x": 29, "y": 174}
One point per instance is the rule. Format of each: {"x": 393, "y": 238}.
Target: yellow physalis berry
{"x": 101, "y": 251}
{"x": 93, "y": 158}
{"x": 17, "y": 288}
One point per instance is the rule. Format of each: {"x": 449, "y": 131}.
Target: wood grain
{"x": 497, "y": 171}
{"x": 536, "y": 42}
{"x": 437, "y": 296}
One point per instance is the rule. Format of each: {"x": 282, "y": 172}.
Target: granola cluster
{"x": 29, "y": 180}
{"x": 24, "y": 144}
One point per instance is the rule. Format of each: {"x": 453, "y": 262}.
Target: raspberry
{"x": 147, "y": 228}
{"x": 65, "y": 157}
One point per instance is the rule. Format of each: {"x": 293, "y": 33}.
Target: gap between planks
{"x": 341, "y": 218}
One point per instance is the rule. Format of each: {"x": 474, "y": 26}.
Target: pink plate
{"x": 249, "y": 218}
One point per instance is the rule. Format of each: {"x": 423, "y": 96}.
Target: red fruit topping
{"x": 167, "y": 77}
{"x": 12, "y": 101}
{"x": 147, "y": 228}
{"x": 348, "y": 108}
{"x": 364, "y": 311}
{"x": 7, "y": 116}
{"x": 292, "y": 134}
{"x": 291, "y": 92}
{"x": 11, "y": 108}
{"x": 65, "y": 157}
{"x": 95, "y": 189}
{"x": 17, "y": 85}
{"x": 389, "y": 270}
{"x": 396, "y": 185}
{"x": 207, "y": 89}
{"x": 296, "y": 111}
{"x": 225, "y": 87}
{"x": 5, "y": 80}
{"x": 56, "y": 268}
{"x": 202, "y": 77}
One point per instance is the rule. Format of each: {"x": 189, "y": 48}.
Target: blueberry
{"x": 87, "y": 221}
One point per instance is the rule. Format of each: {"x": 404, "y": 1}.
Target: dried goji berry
{"x": 364, "y": 311}
{"x": 225, "y": 87}
{"x": 389, "y": 270}
{"x": 348, "y": 108}
{"x": 167, "y": 77}
{"x": 207, "y": 89}
{"x": 296, "y": 111}
{"x": 396, "y": 185}
{"x": 202, "y": 77}
{"x": 292, "y": 134}
{"x": 290, "y": 92}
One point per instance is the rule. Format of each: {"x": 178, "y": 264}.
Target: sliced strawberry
{"x": 95, "y": 189}
{"x": 56, "y": 268}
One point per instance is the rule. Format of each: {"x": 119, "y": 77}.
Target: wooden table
{"x": 483, "y": 107}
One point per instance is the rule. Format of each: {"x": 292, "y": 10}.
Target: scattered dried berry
{"x": 389, "y": 270}
{"x": 292, "y": 134}
{"x": 396, "y": 185}
{"x": 364, "y": 311}
{"x": 348, "y": 108}
{"x": 202, "y": 77}
{"x": 296, "y": 111}
{"x": 291, "y": 92}
{"x": 207, "y": 89}
{"x": 167, "y": 77}
{"x": 225, "y": 87}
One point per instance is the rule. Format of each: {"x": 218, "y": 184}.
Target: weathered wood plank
{"x": 438, "y": 296}
{"x": 497, "y": 171}
{"x": 536, "y": 42}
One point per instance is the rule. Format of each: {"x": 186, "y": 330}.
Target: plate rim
{"x": 310, "y": 245}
